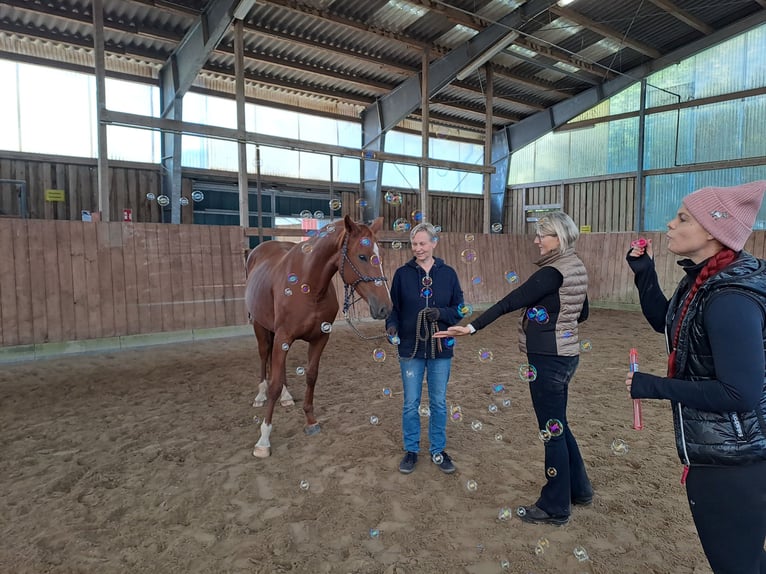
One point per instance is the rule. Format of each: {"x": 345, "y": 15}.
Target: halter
{"x": 349, "y": 288}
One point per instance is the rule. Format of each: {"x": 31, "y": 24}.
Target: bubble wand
{"x": 638, "y": 422}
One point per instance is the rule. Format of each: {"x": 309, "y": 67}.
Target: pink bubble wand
{"x": 638, "y": 420}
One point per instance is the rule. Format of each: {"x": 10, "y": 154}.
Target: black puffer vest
{"x": 704, "y": 437}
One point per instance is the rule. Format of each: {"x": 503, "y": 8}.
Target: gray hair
{"x": 561, "y": 225}
{"x": 427, "y": 227}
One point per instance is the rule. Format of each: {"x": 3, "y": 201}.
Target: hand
{"x": 454, "y": 331}
{"x": 432, "y": 314}
{"x": 391, "y": 331}
{"x": 629, "y": 381}
{"x": 639, "y": 250}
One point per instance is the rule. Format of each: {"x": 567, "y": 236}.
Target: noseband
{"x": 348, "y": 288}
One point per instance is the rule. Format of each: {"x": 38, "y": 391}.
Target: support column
{"x": 424, "y": 132}
{"x": 640, "y": 191}
{"x": 103, "y": 161}
{"x": 487, "y": 178}
{"x": 239, "y": 88}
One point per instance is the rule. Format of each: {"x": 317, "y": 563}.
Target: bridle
{"x": 349, "y": 288}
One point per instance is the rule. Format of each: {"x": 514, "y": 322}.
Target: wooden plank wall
{"x": 72, "y": 280}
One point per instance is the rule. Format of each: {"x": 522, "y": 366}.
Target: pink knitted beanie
{"x": 727, "y": 213}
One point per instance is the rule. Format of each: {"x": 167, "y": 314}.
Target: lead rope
{"x": 423, "y": 331}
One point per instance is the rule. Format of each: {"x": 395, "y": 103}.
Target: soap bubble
{"x": 485, "y": 355}
{"x": 468, "y": 255}
{"x": 619, "y": 447}
{"x": 285, "y": 346}
{"x": 541, "y": 546}
{"x": 498, "y": 388}
{"x": 586, "y": 345}
{"x": 424, "y": 411}
{"x": 288, "y": 291}
{"x": 477, "y": 425}
{"x": 496, "y": 227}
{"x": 512, "y": 277}
{"x": 527, "y": 372}
{"x": 449, "y": 342}
{"x": 544, "y": 435}
{"x": 437, "y": 457}
{"x": 387, "y": 393}
{"x": 555, "y": 427}
{"x": 300, "y": 371}
{"x": 504, "y": 514}
{"x": 256, "y": 419}
{"x": 374, "y": 533}
{"x": 396, "y": 245}
{"x": 505, "y": 564}
{"x": 365, "y": 242}
{"x": 394, "y": 339}
{"x": 465, "y": 310}
{"x": 326, "y": 327}
{"x": 506, "y": 403}
{"x": 417, "y": 216}
{"x": 476, "y": 279}
{"x": 378, "y": 355}
{"x": 492, "y": 408}
{"x": 305, "y": 214}
{"x": 304, "y": 485}
{"x": 292, "y": 278}
{"x": 401, "y": 225}
{"x": 361, "y": 202}
{"x": 374, "y": 420}
{"x": 305, "y": 289}
{"x": 319, "y": 214}
{"x": 306, "y": 247}
{"x": 393, "y": 198}
{"x": 521, "y": 511}
{"x": 335, "y": 204}
{"x": 580, "y": 553}
{"x": 469, "y": 237}
{"x": 499, "y": 437}
{"x": 471, "y": 486}
{"x": 551, "y": 472}
{"x": 456, "y": 413}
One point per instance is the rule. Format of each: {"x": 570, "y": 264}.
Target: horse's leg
{"x": 315, "y": 353}
{"x": 265, "y": 343}
{"x": 263, "y": 446}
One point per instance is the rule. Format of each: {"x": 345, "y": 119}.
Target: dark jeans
{"x": 564, "y": 467}
{"x": 728, "y": 504}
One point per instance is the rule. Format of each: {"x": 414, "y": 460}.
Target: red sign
{"x": 127, "y": 215}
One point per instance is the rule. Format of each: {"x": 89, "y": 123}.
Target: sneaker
{"x": 535, "y": 515}
{"x": 408, "y": 462}
{"x": 446, "y": 462}
{"x": 583, "y": 500}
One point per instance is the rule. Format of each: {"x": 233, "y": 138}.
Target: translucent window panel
{"x": 193, "y": 152}
{"x": 522, "y": 168}
{"x": 318, "y": 129}
{"x": 660, "y": 140}
{"x": 56, "y": 111}
{"x": 9, "y": 120}
{"x": 210, "y": 110}
{"x": 721, "y": 69}
{"x": 131, "y": 97}
{"x": 552, "y": 156}
{"x": 346, "y": 169}
{"x": 444, "y": 179}
{"x": 754, "y": 120}
{"x": 622, "y": 152}
{"x": 471, "y": 183}
{"x": 400, "y": 175}
{"x": 133, "y": 144}
{"x": 314, "y": 166}
{"x": 224, "y": 155}
{"x": 755, "y": 63}
{"x": 349, "y": 134}
{"x": 280, "y": 162}
{"x": 275, "y": 122}
{"x": 588, "y": 150}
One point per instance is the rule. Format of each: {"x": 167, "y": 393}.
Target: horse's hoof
{"x": 312, "y": 429}
{"x": 257, "y": 403}
{"x": 261, "y": 451}
{"x": 287, "y": 403}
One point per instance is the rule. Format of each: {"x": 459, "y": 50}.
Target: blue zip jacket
{"x": 408, "y": 301}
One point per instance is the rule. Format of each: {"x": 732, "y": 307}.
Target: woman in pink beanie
{"x": 715, "y": 329}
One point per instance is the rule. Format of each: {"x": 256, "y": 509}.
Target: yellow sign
{"x": 55, "y": 195}
{"x": 585, "y": 229}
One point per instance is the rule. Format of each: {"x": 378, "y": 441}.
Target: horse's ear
{"x": 351, "y": 227}
{"x": 377, "y": 225}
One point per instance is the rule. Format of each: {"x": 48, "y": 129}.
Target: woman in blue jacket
{"x": 426, "y": 295}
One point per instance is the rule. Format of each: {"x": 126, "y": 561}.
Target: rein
{"x": 349, "y": 288}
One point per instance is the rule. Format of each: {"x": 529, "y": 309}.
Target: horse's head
{"x": 361, "y": 268}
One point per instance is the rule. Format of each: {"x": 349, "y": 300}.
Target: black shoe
{"x": 583, "y": 501}
{"x": 535, "y": 515}
{"x": 446, "y": 462}
{"x": 408, "y": 462}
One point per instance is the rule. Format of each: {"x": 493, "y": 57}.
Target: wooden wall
{"x": 72, "y": 280}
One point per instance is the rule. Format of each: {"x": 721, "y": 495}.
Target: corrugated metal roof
{"x": 338, "y": 56}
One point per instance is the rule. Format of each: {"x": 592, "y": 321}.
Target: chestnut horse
{"x": 290, "y": 295}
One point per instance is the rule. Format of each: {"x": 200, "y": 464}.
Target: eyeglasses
{"x": 540, "y": 236}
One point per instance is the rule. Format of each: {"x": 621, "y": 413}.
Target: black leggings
{"x": 728, "y": 504}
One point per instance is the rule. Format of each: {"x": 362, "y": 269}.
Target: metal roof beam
{"x": 405, "y": 98}
{"x": 683, "y": 16}
{"x": 183, "y": 65}
{"x": 529, "y": 129}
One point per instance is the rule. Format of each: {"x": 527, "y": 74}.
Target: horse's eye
{"x": 363, "y": 257}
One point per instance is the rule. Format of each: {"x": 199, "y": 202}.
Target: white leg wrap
{"x": 260, "y": 398}
{"x": 263, "y": 446}
{"x": 286, "y": 399}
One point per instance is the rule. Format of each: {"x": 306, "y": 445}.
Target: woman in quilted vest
{"x": 715, "y": 328}
{"x": 554, "y": 302}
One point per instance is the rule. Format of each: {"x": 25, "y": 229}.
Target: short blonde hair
{"x": 427, "y": 227}
{"x": 561, "y": 225}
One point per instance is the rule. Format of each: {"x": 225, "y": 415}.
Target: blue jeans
{"x": 412, "y": 379}
{"x": 549, "y": 397}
